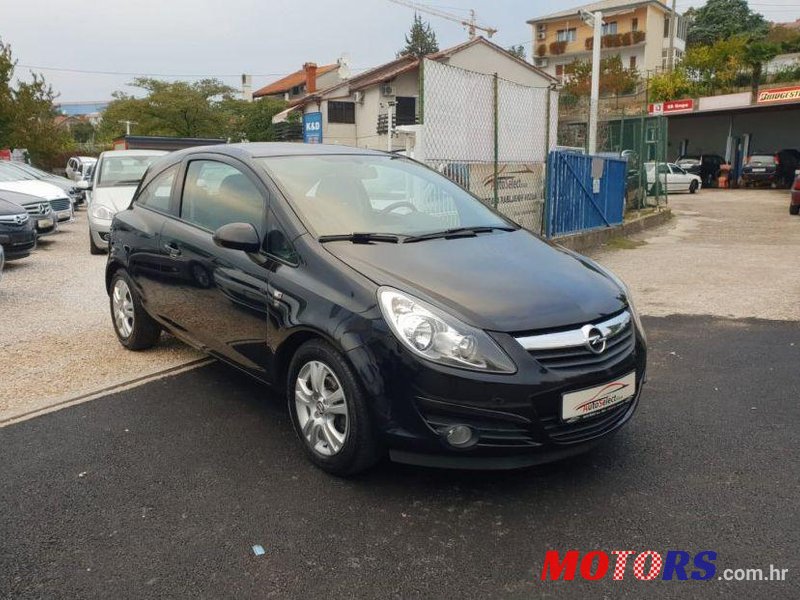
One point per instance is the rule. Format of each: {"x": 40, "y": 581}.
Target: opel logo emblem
{"x": 595, "y": 341}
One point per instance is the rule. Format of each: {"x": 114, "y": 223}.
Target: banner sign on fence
{"x": 786, "y": 94}
{"x": 520, "y": 190}
{"x": 312, "y": 128}
{"x": 672, "y": 107}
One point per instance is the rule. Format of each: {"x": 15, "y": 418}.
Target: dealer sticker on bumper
{"x": 585, "y": 402}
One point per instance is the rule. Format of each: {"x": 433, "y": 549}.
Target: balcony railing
{"x": 617, "y": 40}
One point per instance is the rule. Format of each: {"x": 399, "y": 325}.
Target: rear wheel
{"x": 135, "y": 329}
{"x": 329, "y": 411}
{"x": 794, "y": 209}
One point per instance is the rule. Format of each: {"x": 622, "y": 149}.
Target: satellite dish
{"x": 344, "y": 66}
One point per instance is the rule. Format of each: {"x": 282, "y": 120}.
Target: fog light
{"x": 459, "y": 436}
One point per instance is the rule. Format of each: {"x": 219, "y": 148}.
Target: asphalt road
{"x": 162, "y": 490}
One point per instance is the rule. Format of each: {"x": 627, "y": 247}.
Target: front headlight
{"x": 436, "y": 336}
{"x": 98, "y": 211}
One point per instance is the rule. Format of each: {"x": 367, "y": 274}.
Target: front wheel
{"x": 135, "y": 329}
{"x": 693, "y": 187}
{"x": 329, "y": 411}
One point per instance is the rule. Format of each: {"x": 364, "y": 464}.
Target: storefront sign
{"x": 787, "y": 94}
{"x": 312, "y": 128}
{"x": 671, "y": 107}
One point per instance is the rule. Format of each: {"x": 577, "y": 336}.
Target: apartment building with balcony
{"x": 638, "y": 32}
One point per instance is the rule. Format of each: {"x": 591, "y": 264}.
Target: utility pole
{"x": 128, "y": 126}
{"x": 594, "y": 20}
{"x": 672, "y": 26}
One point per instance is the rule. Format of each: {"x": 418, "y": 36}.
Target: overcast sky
{"x": 215, "y": 38}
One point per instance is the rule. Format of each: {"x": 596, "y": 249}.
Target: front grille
{"x": 60, "y": 204}
{"x": 37, "y": 210}
{"x": 586, "y": 428}
{"x": 617, "y": 349}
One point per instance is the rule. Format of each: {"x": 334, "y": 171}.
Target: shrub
{"x": 558, "y": 47}
{"x": 541, "y": 50}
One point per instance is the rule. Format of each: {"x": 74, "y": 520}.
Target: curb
{"x": 588, "y": 240}
{"x": 112, "y": 389}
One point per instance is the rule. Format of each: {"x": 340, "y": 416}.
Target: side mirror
{"x": 83, "y": 185}
{"x": 237, "y": 236}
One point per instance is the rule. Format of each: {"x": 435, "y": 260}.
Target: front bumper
{"x": 18, "y": 244}
{"x": 100, "y": 230}
{"x": 795, "y": 198}
{"x": 759, "y": 177}
{"x": 46, "y": 225}
{"x": 516, "y": 418}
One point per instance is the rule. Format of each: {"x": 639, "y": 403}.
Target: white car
{"x": 58, "y": 199}
{"x": 76, "y": 166}
{"x": 671, "y": 179}
{"x": 116, "y": 175}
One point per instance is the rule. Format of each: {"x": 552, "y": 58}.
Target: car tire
{"x": 693, "y": 187}
{"x": 794, "y": 209}
{"x": 135, "y": 329}
{"x": 329, "y": 411}
{"x": 94, "y": 248}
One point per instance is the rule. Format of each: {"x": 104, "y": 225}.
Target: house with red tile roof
{"x": 355, "y": 111}
{"x": 305, "y": 81}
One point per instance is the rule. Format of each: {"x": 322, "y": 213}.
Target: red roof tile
{"x": 290, "y": 81}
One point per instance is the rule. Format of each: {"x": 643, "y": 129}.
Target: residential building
{"x": 305, "y": 81}
{"x": 639, "y": 32}
{"x": 356, "y": 112}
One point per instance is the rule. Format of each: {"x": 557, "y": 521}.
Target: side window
{"x": 156, "y": 194}
{"x": 216, "y": 194}
{"x": 277, "y": 243}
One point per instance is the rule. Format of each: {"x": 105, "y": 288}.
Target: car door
{"x": 217, "y": 297}
{"x": 677, "y": 180}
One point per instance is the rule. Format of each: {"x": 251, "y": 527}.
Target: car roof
{"x": 133, "y": 153}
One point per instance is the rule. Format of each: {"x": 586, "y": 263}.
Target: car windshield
{"x": 123, "y": 170}
{"x": 762, "y": 158}
{"x": 14, "y": 173}
{"x": 689, "y": 160}
{"x": 344, "y": 194}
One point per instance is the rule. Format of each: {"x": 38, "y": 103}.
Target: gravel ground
{"x": 56, "y": 339}
{"x": 728, "y": 253}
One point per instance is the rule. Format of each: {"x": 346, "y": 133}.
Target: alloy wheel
{"x": 122, "y": 308}
{"x": 321, "y": 407}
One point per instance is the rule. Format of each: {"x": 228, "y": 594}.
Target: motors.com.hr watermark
{"x": 648, "y": 565}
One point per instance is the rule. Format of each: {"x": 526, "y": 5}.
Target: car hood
{"x": 502, "y": 281}
{"x": 10, "y": 208}
{"x": 34, "y": 188}
{"x": 115, "y": 198}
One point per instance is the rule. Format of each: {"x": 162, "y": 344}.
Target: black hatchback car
{"x": 398, "y": 312}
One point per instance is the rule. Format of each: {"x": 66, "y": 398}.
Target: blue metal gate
{"x": 583, "y": 192}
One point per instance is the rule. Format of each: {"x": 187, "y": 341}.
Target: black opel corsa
{"x": 398, "y": 312}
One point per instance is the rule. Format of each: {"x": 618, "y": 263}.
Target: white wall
{"x": 485, "y": 59}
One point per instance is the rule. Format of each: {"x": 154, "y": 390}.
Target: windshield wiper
{"x": 360, "y": 238}
{"x": 456, "y": 232}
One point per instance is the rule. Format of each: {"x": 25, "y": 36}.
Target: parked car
{"x": 671, "y": 178}
{"x": 17, "y": 232}
{"x": 39, "y": 210}
{"x": 59, "y": 201}
{"x": 433, "y": 326}
{"x": 65, "y": 184}
{"x": 707, "y": 166}
{"x": 775, "y": 170}
{"x": 794, "y": 203}
{"x": 117, "y": 173}
{"x": 77, "y": 165}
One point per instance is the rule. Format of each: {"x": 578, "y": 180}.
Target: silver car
{"x": 116, "y": 176}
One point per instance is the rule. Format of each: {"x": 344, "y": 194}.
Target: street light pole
{"x": 596, "y": 21}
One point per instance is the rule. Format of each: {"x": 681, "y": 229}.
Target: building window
{"x": 633, "y": 63}
{"x": 610, "y": 28}
{"x": 666, "y": 27}
{"x": 406, "y": 110}
{"x": 295, "y": 90}
{"x": 342, "y": 112}
{"x": 634, "y": 24}
{"x": 566, "y": 35}
{"x": 559, "y": 70}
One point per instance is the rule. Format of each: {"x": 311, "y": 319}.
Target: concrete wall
{"x": 485, "y": 59}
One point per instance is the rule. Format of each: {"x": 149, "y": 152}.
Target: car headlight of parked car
{"x": 441, "y": 338}
{"x": 99, "y": 211}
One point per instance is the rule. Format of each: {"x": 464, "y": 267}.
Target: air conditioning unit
{"x": 542, "y": 35}
{"x": 359, "y": 97}
{"x": 387, "y": 90}
{"x": 540, "y": 62}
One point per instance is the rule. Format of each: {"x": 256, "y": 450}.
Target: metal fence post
{"x": 496, "y": 109}
{"x": 421, "y": 90}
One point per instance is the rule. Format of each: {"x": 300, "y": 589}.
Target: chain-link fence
{"x": 491, "y": 136}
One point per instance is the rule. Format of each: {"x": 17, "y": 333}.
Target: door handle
{"x": 173, "y": 249}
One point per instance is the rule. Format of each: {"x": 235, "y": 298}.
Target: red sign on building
{"x": 671, "y": 107}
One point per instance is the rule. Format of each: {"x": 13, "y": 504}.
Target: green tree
{"x": 82, "y": 132}
{"x": 670, "y": 85}
{"x": 518, "y": 51}
{"x": 7, "y": 64}
{"x": 721, "y": 19}
{"x": 258, "y": 119}
{"x": 615, "y": 79}
{"x": 420, "y": 40}
{"x": 755, "y": 55}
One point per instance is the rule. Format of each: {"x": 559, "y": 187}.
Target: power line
{"x": 139, "y": 74}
